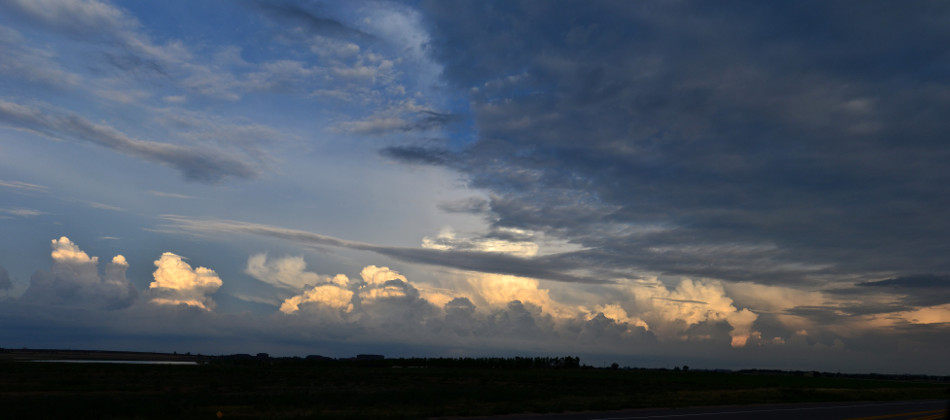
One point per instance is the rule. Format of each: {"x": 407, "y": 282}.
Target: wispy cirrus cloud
{"x": 195, "y": 164}
{"x": 21, "y": 212}
{"x": 170, "y": 195}
{"x": 22, "y": 186}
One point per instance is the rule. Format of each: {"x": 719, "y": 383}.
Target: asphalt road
{"x": 899, "y": 410}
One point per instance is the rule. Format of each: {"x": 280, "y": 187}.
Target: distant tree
{"x": 685, "y": 368}
{"x": 614, "y": 365}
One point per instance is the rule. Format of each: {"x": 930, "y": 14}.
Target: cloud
{"x": 74, "y": 280}
{"x": 22, "y": 212}
{"x": 170, "y": 195}
{"x": 378, "y": 276}
{"x": 102, "y": 206}
{"x": 500, "y": 290}
{"x": 75, "y": 16}
{"x": 462, "y": 260}
{"x": 329, "y": 295}
{"x": 680, "y": 150}
{"x": 379, "y": 125}
{"x": 22, "y": 186}
{"x": 448, "y": 240}
{"x": 473, "y": 205}
{"x": 925, "y": 281}
{"x": 203, "y": 165}
{"x": 381, "y": 292}
{"x": 32, "y": 65}
{"x": 288, "y": 273}
{"x": 95, "y": 21}
{"x": 617, "y": 314}
{"x": 5, "y": 282}
{"x": 176, "y": 283}
{"x": 670, "y": 312}
{"x": 417, "y": 155}
{"x": 311, "y": 20}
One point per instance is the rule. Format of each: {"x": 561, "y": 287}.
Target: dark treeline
{"x": 566, "y": 362}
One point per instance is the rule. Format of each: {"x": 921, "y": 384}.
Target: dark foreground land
{"x": 263, "y": 387}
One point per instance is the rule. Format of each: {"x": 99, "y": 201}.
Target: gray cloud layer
{"x": 485, "y": 262}
{"x": 799, "y": 142}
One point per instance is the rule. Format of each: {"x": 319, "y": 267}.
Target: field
{"x": 394, "y": 389}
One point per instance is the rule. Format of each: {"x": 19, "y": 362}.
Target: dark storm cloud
{"x": 128, "y": 62}
{"x": 916, "y": 290}
{"x": 774, "y": 142}
{"x": 429, "y": 120}
{"x": 5, "y": 282}
{"x": 311, "y": 20}
{"x": 924, "y": 281}
{"x": 417, "y": 155}
{"x": 195, "y": 164}
{"x": 473, "y": 205}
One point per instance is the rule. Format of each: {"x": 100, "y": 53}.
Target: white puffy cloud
{"x": 306, "y": 287}
{"x": 74, "y": 280}
{"x": 176, "y": 283}
{"x": 66, "y": 251}
{"x": 499, "y": 290}
{"x": 617, "y": 313}
{"x": 288, "y": 273}
{"x": 377, "y": 276}
{"x": 670, "y": 311}
{"x": 384, "y": 283}
{"x": 330, "y": 295}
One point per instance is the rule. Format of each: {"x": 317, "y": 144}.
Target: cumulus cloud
{"x": 670, "y": 312}
{"x": 383, "y": 298}
{"x": 305, "y": 288}
{"x": 288, "y": 273}
{"x": 329, "y": 295}
{"x": 74, "y": 280}
{"x": 500, "y": 290}
{"x": 377, "y": 276}
{"x": 176, "y": 283}
{"x": 615, "y": 312}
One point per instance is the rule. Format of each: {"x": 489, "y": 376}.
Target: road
{"x": 899, "y": 410}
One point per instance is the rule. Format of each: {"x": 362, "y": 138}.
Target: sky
{"x": 653, "y": 183}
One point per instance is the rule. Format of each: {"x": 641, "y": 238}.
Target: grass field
{"x": 397, "y": 389}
